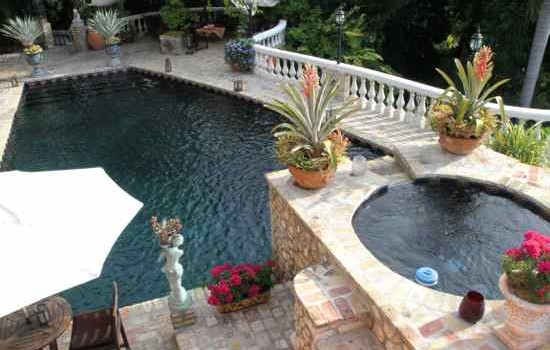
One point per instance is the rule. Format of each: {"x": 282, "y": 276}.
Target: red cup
{"x": 472, "y": 307}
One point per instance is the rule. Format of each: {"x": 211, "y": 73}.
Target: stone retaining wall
{"x": 295, "y": 247}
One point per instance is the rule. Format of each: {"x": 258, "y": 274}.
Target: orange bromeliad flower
{"x": 483, "y": 62}
{"x": 310, "y": 80}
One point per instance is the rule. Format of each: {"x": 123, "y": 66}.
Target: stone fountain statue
{"x": 179, "y": 300}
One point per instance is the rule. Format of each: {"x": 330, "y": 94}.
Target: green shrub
{"x": 175, "y": 16}
{"x": 520, "y": 142}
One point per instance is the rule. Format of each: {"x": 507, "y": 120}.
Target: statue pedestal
{"x": 183, "y": 319}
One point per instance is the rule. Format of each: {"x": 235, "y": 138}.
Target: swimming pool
{"x": 181, "y": 150}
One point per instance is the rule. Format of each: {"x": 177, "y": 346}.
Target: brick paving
{"x": 264, "y": 327}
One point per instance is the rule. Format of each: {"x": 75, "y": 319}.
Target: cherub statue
{"x": 170, "y": 240}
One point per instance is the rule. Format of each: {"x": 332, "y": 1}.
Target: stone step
{"x": 361, "y": 339}
{"x": 327, "y": 306}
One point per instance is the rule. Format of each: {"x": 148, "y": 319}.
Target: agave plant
{"x": 309, "y": 139}
{"x": 25, "y": 30}
{"x": 108, "y": 23}
{"x": 463, "y": 112}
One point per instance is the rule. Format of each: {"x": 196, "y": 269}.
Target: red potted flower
{"x": 525, "y": 285}
{"x": 240, "y": 286}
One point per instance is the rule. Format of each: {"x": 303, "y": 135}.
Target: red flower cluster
{"x": 235, "y": 283}
{"x": 528, "y": 266}
{"x": 483, "y": 63}
{"x": 535, "y": 245}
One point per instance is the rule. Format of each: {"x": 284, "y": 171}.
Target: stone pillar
{"x": 78, "y": 33}
{"x": 344, "y": 89}
{"x": 48, "y": 34}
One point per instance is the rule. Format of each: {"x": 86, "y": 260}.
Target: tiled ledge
{"x": 426, "y": 159}
{"x": 423, "y": 318}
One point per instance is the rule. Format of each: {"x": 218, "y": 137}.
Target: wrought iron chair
{"x": 100, "y": 329}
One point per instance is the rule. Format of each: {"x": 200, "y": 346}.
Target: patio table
{"x": 17, "y": 334}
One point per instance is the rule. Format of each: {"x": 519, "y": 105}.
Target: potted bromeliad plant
{"x": 239, "y": 54}
{"x": 460, "y": 115}
{"x": 26, "y": 31}
{"x": 309, "y": 142}
{"x": 109, "y": 24}
{"x": 525, "y": 285}
{"x": 241, "y": 286}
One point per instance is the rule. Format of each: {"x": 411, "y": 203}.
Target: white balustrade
{"x": 376, "y": 90}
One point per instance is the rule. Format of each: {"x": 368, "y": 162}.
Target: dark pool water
{"x": 181, "y": 150}
{"x": 460, "y": 229}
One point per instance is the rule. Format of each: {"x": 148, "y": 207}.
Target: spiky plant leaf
{"x": 25, "y": 30}
{"x": 108, "y": 24}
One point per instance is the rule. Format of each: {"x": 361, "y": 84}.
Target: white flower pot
{"x": 527, "y": 325}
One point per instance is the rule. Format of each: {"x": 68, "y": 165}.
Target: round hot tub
{"x": 458, "y": 228}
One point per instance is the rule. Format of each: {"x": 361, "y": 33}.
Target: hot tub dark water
{"x": 459, "y": 229}
{"x": 181, "y": 150}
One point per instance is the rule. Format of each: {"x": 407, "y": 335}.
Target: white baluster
{"x": 270, "y": 65}
{"x": 300, "y": 73}
{"x": 292, "y": 71}
{"x": 411, "y": 106}
{"x": 277, "y": 68}
{"x": 145, "y": 28}
{"x": 421, "y": 111}
{"x": 381, "y": 98}
{"x": 389, "y": 102}
{"x": 353, "y": 88}
{"x": 285, "y": 69}
{"x": 538, "y": 132}
{"x": 372, "y": 95}
{"x": 363, "y": 93}
{"x": 400, "y": 104}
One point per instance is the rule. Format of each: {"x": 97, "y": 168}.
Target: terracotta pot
{"x": 527, "y": 325}
{"x": 312, "y": 180}
{"x": 95, "y": 40}
{"x": 458, "y": 145}
{"x": 235, "y": 67}
{"x": 243, "y": 304}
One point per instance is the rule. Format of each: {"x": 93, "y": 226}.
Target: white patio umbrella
{"x": 56, "y": 230}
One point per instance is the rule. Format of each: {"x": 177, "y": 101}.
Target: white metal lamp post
{"x": 476, "y": 41}
{"x": 340, "y": 18}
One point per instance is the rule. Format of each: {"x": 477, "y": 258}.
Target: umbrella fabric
{"x": 56, "y": 230}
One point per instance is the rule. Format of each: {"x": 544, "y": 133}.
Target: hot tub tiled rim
{"x": 332, "y": 226}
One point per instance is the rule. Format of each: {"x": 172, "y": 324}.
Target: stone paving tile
{"x": 263, "y": 327}
{"x": 149, "y": 327}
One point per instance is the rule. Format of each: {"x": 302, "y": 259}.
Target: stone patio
{"x": 264, "y": 327}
